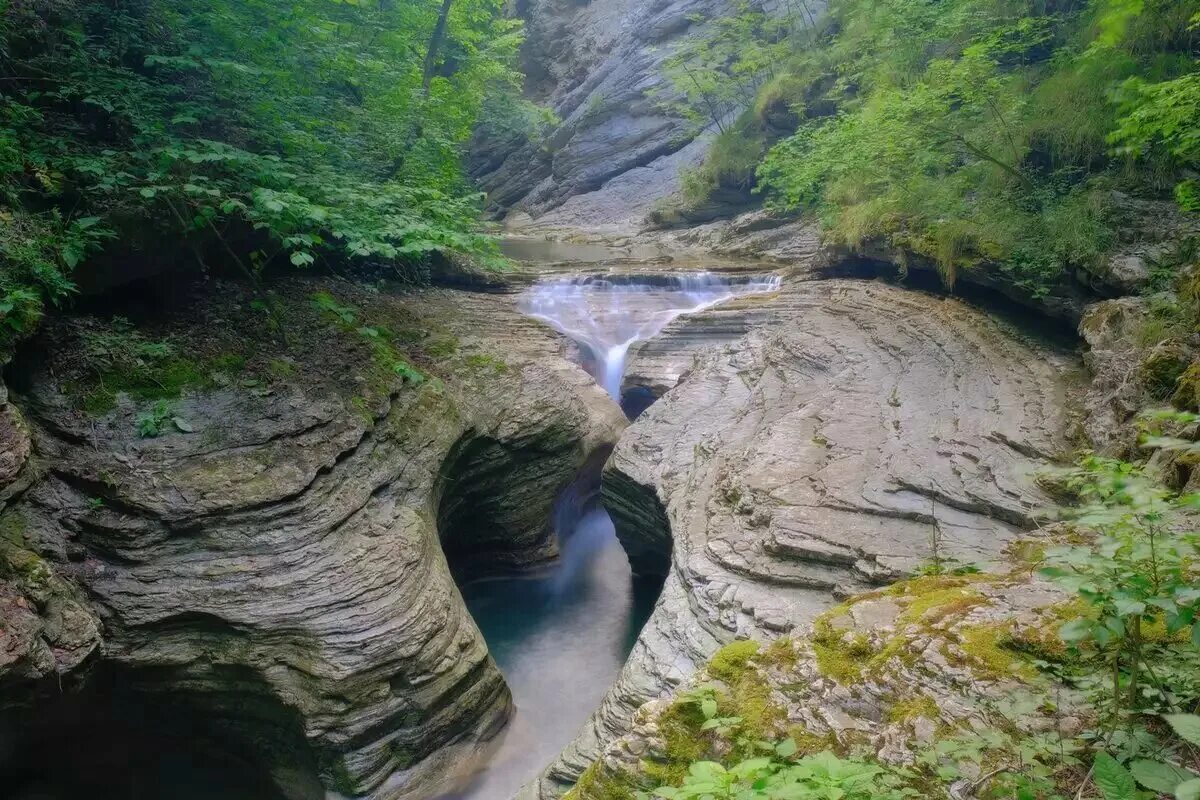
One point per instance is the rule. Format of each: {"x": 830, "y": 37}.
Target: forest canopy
{"x": 978, "y": 134}
{"x": 251, "y": 132}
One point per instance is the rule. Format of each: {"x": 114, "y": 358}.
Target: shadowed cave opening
{"x": 120, "y": 736}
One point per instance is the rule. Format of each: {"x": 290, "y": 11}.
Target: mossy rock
{"x": 1187, "y": 389}
{"x": 731, "y": 661}
{"x": 1161, "y": 370}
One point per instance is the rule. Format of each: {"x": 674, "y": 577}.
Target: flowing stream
{"x": 606, "y": 315}
{"x": 561, "y": 635}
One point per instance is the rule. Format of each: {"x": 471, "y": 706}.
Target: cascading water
{"x": 606, "y": 315}
{"x": 562, "y": 634}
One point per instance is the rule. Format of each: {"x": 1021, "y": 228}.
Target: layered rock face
{"x": 895, "y": 673}
{"x": 277, "y": 552}
{"x": 615, "y": 153}
{"x": 854, "y": 432}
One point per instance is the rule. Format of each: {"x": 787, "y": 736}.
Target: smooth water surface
{"x": 560, "y": 638}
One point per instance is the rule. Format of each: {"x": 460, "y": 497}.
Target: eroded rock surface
{"x": 280, "y": 544}
{"x": 856, "y": 431}
{"x": 891, "y": 673}
{"x": 616, "y": 152}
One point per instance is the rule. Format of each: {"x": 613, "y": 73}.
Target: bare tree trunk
{"x": 436, "y": 39}
{"x": 435, "y": 44}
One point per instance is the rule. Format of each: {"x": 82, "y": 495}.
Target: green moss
{"x": 442, "y": 348}
{"x": 13, "y": 526}
{"x": 485, "y": 362}
{"x": 24, "y": 565}
{"x": 1042, "y": 641}
{"x": 149, "y": 382}
{"x": 1186, "y": 396}
{"x": 339, "y": 777}
{"x": 987, "y": 655}
{"x": 1161, "y": 371}
{"x": 598, "y": 783}
{"x": 895, "y": 648}
{"x": 808, "y": 742}
{"x": 933, "y": 606}
{"x": 729, "y": 663}
{"x": 232, "y": 363}
{"x": 781, "y": 654}
{"x": 839, "y": 656}
{"x": 912, "y": 708}
{"x": 679, "y": 727}
{"x": 281, "y": 369}
{"x": 1026, "y": 553}
{"x": 405, "y": 756}
{"x": 751, "y": 700}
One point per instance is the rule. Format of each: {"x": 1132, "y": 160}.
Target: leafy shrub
{"x": 815, "y": 777}
{"x": 267, "y": 133}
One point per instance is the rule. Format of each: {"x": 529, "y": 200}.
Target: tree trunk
{"x": 435, "y": 44}
{"x": 417, "y": 130}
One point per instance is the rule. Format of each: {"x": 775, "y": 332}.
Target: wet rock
{"x": 616, "y": 153}
{"x": 286, "y": 547}
{"x": 878, "y": 428}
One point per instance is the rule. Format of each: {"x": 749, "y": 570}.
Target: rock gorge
{"x": 275, "y": 575}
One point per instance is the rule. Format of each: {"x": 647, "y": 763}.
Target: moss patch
{"x": 912, "y": 708}
{"x": 987, "y": 655}
{"x": 598, "y": 783}
{"x": 839, "y": 655}
{"x": 730, "y": 662}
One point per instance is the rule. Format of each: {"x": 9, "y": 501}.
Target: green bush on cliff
{"x": 244, "y": 134}
{"x": 978, "y": 134}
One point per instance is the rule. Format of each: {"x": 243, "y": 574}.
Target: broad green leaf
{"x": 1186, "y": 725}
{"x": 1159, "y": 777}
{"x": 1113, "y": 779}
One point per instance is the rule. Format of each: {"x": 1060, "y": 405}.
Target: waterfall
{"x": 606, "y": 314}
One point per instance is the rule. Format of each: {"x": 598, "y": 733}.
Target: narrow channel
{"x": 561, "y": 635}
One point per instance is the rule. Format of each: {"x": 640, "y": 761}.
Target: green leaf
{"x": 786, "y": 749}
{"x": 1186, "y": 725}
{"x": 1189, "y": 790}
{"x": 1159, "y": 777}
{"x": 1113, "y": 779}
{"x": 708, "y": 708}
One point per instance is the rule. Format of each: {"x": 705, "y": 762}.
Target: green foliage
{"x": 266, "y": 133}
{"x": 976, "y": 134}
{"x": 1140, "y": 571}
{"x": 822, "y": 776}
{"x": 154, "y": 421}
{"x": 387, "y": 359}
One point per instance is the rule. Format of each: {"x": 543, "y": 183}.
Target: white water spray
{"x": 605, "y": 315}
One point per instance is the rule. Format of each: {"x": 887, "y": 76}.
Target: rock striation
{"x": 853, "y": 432}
{"x": 615, "y": 152}
{"x": 280, "y": 552}
{"x": 893, "y": 673}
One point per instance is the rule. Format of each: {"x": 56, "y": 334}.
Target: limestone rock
{"x": 286, "y": 546}
{"x": 853, "y": 432}
{"x": 616, "y": 152}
